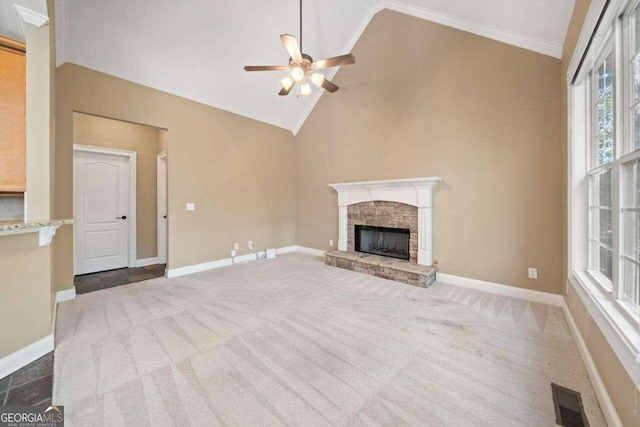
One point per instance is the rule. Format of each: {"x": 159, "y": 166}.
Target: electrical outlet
{"x": 233, "y": 253}
{"x": 191, "y": 206}
{"x": 533, "y": 273}
{"x": 331, "y": 243}
{"x": 236, "y": 246}
{"x": 250, "y": 245}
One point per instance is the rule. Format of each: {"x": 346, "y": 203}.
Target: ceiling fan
{"x": 302, "y": 68}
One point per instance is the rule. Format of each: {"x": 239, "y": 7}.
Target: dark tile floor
{"x": 108, "y": 279}
{"x": 31, "y": 385}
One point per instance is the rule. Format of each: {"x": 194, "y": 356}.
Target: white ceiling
{"x": 197, "y": 48}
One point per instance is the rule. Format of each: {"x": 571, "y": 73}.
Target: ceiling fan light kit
{"x": 301, "y": 67}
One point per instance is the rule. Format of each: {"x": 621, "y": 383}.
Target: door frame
{"x": 132, "y": 157}
{"x": 161, "y": 164}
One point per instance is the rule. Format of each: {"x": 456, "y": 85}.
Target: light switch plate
{"x": 331, "y": 243}
{"x": 236, "y": 246}
{"x": 191, "y": 206}
{"x": 533, "y": 273}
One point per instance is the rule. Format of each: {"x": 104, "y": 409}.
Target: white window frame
{"x": 618, "y": 322}
{"x": 606, "y": 47}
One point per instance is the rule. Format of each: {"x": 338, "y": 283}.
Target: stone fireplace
{"x": 386, "y": 229}
{"x": 387, "y": 216}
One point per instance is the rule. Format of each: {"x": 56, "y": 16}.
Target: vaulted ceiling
{"x": 197, "y": 48}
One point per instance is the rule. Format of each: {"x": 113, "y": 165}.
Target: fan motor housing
{"x": 307, "y": 60}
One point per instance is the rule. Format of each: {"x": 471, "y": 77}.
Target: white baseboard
{"x": 66, "y": 295}
{"x": 23, "y": 357}
{"x": 496, "y": 288}
{"x": 243, "y": 258}
{"x": 147, "y": 261}
{"x": 285, "y": 250}
{"x": 608, "y": 410}
{"x": 197, "y": 268}
{"x": 61, "y": 296}
{"x": 310, "y": 251}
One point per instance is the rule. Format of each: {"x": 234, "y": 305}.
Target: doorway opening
{"x": 120, "y": 202}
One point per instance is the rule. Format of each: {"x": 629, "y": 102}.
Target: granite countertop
{"x": 34, "y": 223}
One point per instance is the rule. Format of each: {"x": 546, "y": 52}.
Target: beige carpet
{"x": 291, "y": 341}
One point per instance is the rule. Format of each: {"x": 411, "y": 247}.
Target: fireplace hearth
{"x": 385, "y": 241}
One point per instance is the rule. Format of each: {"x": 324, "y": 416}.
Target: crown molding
{"x": 31, "y": 17}
{"x": 28, "y": 16}
{"x": 529, "y": 43}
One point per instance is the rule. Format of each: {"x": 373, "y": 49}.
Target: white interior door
{"x": 162, "y": 208}
{"x": 101, "y": 209}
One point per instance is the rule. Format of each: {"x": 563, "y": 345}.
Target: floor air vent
{"x": 569, "y": 410}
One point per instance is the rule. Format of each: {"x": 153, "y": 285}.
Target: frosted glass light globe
{"x": 305, "y": 89}
{"x": 297, "y": 74}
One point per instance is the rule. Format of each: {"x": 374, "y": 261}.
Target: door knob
{"x": 122, "y": 217}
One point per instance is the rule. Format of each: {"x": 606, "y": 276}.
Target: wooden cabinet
{"x": 12, "y": 117}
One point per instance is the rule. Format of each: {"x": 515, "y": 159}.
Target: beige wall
{"x": 425, "y": 99}
{"x": 146, "y": 142}
{"x": 25, "y": 306}
{"x": 615, "y": 378}
{"x": 239, "y": 172}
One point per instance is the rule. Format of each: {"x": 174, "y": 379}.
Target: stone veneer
{"x": 384, "y": 214}
{"x": 385, "y": 267}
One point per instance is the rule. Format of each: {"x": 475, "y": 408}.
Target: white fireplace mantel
{"x": 411, "y": 191}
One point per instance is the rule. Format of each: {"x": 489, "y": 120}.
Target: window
{"x": 613, "y": 160}
{"x": 633, "y": 25}
{"x": 601, "y": 235}
{"x": 607, "y": 125}
{"x": 630, "y": 173}
{"x": 602, "y": 154}
{"x": 603, "y": 110}
{"x": 631, "y": 238}
{"x": 604, "y": 178}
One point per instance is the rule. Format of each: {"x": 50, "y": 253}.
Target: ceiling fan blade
{"x": 266, "y": 68}
{"x": 292, "y": 47}
{"x": 336, "y": 61}
{"x": 285, "y": 91}
{"x": 329, "y": 86}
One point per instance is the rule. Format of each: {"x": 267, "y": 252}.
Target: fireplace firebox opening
{"x": 391, "y": 242}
